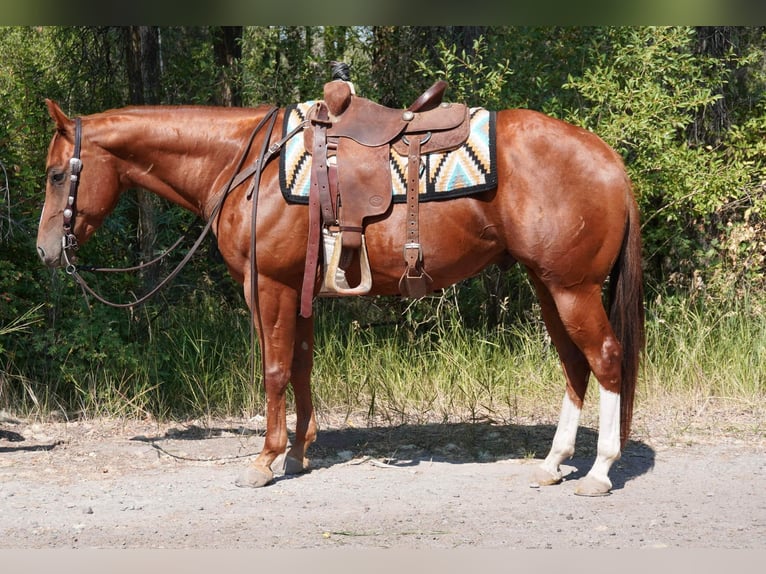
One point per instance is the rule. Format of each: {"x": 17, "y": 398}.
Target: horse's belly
{"x": 457, "y": 239}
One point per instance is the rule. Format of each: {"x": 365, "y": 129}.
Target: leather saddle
{"x": 351, "y": 139}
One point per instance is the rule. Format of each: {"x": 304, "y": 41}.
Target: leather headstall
{"x": 69, "y": 240}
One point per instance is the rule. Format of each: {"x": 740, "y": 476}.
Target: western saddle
{"x": 350, "y": 139}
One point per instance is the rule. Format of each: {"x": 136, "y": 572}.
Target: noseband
{"x": 69, "y": 240}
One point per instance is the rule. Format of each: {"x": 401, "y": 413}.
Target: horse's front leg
{"x": 305, "y": 426}
{"x": 277, "y": 306}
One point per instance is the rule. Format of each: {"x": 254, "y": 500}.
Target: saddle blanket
{"x": 471, "y": 168}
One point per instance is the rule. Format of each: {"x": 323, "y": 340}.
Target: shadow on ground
{"x": 455, "y": 443}
{"x": 14, "y": 437}
{"x": 401, "y": 445}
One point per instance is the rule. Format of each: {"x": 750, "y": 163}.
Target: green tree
{"x": 684, "y": 106}
{"x": 644, "y": 96}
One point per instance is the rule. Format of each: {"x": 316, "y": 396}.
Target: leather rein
{"x": 70, "y": 243}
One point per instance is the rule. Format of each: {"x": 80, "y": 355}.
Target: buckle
{"x": 411, "y": 246}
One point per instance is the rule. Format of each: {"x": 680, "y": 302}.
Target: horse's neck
{"x": 177, "y": 153}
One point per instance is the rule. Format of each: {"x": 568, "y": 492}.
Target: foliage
{"x": 470, "y": 77}
{"x": 273, "y": 54}
{"x": 685, "y": 107}
{"x": 642, "y": 96}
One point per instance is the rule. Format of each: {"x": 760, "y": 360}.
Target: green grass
{"x": 194, "y": 362}
{"x": 441, "y": 373}
{"x": 706, "y": 350}
{"x": 696, "y": 353}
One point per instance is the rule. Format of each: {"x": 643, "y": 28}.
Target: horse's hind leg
{"x": 582, "y": 322}
{"x": 577, "y": 372}
{"x": 305, "y": 426}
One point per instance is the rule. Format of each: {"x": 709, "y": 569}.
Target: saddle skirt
{"x": 470, "y": 168}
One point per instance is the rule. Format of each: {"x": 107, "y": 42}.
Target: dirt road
{"x": 111, "y": 484}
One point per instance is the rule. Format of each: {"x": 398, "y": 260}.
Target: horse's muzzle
{"x": 50, "y": 259}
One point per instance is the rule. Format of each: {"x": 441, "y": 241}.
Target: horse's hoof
{"x": 254, "y": 477}
{"x": 544, "y": 477}
{"x": 295, "y": 466}
{"x": 592, "y": 486}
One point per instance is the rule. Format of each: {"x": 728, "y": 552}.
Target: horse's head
{"x": 82, "y": 187}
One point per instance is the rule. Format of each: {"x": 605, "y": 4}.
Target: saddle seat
{"x": 372, "y": 125}
{"x": 351, "y": 139}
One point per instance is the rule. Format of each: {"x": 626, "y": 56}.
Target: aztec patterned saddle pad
{"x": 469, "y": 169}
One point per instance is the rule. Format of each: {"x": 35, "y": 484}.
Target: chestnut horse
{"x": 563, "y": 208}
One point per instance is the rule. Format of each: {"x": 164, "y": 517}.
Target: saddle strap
{"x": 320, "y": 188}
{"x": 415, "y": 282}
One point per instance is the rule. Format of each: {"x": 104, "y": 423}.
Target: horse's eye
{"x": 58, "y": 177}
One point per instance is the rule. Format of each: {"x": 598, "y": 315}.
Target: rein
{"x": 69, "y": 241}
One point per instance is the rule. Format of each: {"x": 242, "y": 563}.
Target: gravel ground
{"x": 694, "y": 481}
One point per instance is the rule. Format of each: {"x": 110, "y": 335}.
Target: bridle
{"x": 69, "y": 240}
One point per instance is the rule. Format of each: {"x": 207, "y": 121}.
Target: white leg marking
{"x": 564, "y": 440}
{"x": 608, "y": 450}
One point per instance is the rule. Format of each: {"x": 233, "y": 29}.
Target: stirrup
{"x": 336, "y": 285}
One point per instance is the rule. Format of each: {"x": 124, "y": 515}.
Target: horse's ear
{"x": 63, "y": 123}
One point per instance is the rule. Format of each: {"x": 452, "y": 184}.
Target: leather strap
{"x": 320, "y": 188}
{"x": 412, "y": 252}
{"x": 415, "y": 282}
{"x": 75, "y": 166}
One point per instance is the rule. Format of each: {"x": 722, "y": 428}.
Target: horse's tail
{"x": 626, "y": 313}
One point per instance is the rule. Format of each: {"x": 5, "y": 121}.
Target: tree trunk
{"x": 142, "y": 57}
{"x": 227, "y": 47}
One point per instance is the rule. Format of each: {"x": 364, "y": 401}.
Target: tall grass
{"x": 194, "y": 362}
{"x": 443, "y": 372}
{"x": 188, "y": 360}
{"x": 10, "y": 380}
{"x": 201, "y": 358}
{"x": 706, "y": 351}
